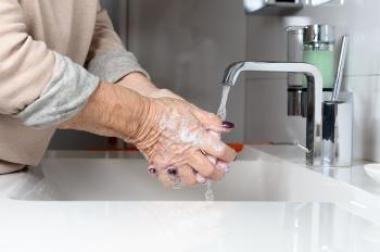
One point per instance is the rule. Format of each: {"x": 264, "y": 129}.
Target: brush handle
{"x": 340, "y": 70}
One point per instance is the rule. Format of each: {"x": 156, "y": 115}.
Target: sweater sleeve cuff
{"x": 111, "y": 66}
{"x": 63, "y": 97}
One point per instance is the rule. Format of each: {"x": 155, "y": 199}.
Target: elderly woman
{"x": 63, "y": 66}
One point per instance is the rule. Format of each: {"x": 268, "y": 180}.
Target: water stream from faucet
{"x": 222, "y": 113}
{"x": 222, "y": 110}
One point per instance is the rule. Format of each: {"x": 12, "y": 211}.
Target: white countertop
{"x": 176, "y": 226}
{"x": 354, "y": 175}
{"x": 179, "y": 226}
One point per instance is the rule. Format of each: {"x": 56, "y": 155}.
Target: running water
{"x": 209, "y": 194}
{"x": 222, "y": 113}
{"x": 222, "y": 110}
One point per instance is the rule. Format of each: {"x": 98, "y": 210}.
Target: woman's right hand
{"x": 173, "y": 135}
{"x": 175, "y": 139}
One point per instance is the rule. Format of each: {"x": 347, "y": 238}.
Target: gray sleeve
{"x": 113, "y": 65}
{"x": 63, "y": 97}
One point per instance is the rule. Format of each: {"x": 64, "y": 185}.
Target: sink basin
{"x": 257, "y": 176}
{"x": 41, "y": 205}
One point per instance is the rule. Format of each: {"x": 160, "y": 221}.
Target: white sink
{"x": 37, "y": 208}
{"x": 255, "y": 177}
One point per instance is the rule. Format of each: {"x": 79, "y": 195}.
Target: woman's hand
{"x": 142, "y": 85}
{"x": 175, "y": 138}
{"x": 139, "y": 83}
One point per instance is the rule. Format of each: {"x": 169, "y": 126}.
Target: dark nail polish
{"x": 152, "y": 171}
{"x": 172, "y": 171}
{"x": 228, "y": 125}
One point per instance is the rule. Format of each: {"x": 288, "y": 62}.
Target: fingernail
{"x": 172, "y": 171}
{"x": 228, "y": 125}
{"x": 223, "y": 167}
{"x": 200, "y": 179}
{"x": 152, "y": 171}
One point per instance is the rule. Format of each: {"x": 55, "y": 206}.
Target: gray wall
{"x": 186, "y": 45}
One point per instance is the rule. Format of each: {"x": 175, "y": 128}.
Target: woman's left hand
{"x": 139, "y": 83}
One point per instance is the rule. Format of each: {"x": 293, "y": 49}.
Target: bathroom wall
{"x": 186, "y": 45}
{"x": 117, "y": 10}
{"x": 266, "y": 94}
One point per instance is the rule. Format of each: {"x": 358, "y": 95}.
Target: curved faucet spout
{"x": 233, "y": 72}
{"x": 314, "y": 94}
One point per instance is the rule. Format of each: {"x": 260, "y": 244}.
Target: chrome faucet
{"x": 313, "y": 101}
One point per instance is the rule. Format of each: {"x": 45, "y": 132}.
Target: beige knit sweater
{"x": 43, "y": 46}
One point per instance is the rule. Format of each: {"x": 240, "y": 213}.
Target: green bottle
{"x": 319, "y": 50}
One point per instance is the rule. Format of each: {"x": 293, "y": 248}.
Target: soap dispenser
{"x": 319, "y": 50}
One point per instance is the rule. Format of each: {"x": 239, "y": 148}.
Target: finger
{"x": 201, "y": 164}
{"x": 187, "y": 175}
{"x": 152, "y": 170}
{"x": 209, "y": 121}
{"x": 213, "y": 146}
{"x": 200, "y": 179}
{"x": 223, "y": 166}
{"x": 217, "y": 175}
{"x": 220, "y": 170}
{"x": 166, "y": 180}
{"x": 212, "y": 122}
{"x": 165, "y": 93}
{"x": 211, "y": 159}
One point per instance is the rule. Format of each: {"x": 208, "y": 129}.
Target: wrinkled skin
{"x": 187, "y": 174}
{"x": 180, "y": 141}
{"x": 175, "y": 139}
